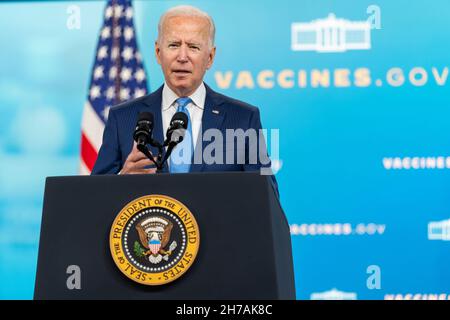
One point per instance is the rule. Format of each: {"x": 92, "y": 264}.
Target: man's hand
{"x": 136, "y": 163}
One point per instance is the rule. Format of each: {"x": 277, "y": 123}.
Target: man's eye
{"x": 195, "y": 48}
{"x": 173, "y": 45}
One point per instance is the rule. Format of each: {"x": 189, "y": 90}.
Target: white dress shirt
{"x": 169, "y": 108}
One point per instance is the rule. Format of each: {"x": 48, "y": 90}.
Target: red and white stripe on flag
{"x": 118, "y": 75}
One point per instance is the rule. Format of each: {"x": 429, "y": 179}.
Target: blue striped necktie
{"x": 186, "y": 145}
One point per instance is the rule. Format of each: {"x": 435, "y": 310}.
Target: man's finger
{"x": 143, "y": 163}
{"x": 134, "y": 157}
{"x": 135, "y": 154}
{"x": 150, "y": 171}
{"x": 142, "y": 171}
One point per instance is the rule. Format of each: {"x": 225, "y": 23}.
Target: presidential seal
{"x": 154, "y": 240}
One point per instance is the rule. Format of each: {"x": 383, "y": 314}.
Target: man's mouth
{"x": 181, "y": 72}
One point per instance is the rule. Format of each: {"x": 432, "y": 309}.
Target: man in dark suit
{"x": 185, "y": 50}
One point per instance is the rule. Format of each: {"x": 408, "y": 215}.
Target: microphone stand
{"x": 171, "y": 145}
{"x": 159, "y": 163}
{"x": 146, "y": 151}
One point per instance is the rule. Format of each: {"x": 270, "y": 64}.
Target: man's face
{"x": 184, "y": 53}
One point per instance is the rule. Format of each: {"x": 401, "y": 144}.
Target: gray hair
{"x": 187, "y": 11}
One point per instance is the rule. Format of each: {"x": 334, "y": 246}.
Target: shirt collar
{"x": 169, "y": 97}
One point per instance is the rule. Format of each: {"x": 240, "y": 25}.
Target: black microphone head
{"x": 144, "y": 128}
{"x": 179, "y": 119}
{"x": 177, "y": 128}
{"x": 146, "y": 116}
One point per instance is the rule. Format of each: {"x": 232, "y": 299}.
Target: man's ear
{"x": 212, "y": 54}
{"x": 157, "y": 52}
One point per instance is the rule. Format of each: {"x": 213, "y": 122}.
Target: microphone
{"x": 144, "y": 127}
{"x": 143, "y": 134}
{"x": 175, "y": 133}
{"x": 177, "y": 129}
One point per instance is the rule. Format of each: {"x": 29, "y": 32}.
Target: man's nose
{"x": 182, "y": 54}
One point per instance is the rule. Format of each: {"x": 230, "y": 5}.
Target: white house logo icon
{"x": 439, "y": 230}
{"x": 334, "y": 294}
{"x": 330, "y": 35}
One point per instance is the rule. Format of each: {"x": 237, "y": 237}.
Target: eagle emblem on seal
{"x": 154, "y": 236}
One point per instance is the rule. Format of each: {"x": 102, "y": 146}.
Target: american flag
{"x": 118, "y": 75}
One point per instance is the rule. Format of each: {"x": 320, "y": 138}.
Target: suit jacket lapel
{"x": 213, "y": 116}
{"x": 154, "y": 101}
